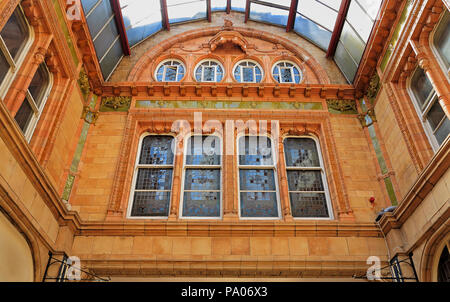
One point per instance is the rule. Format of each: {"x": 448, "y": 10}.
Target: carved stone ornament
{"x": 88, "y": 115}
{"x": 342, "y": 105}
{"x": 374, "y": 87}
{"x": 116, "y": 103}
{"x": 83, "y": 82}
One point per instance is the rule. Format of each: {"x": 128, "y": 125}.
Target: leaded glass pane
{"x": 435, "y": 115}
{"x": 259, "y": 204}
{"x": 156, "y": 150}
{"x": 4, "y": 67}
{"x": 247, "y": 73}
{"x": 15, "y": 33}
{"x": 308, "y": 205}
{"x": 301, "y": 152}
{"x": 443, "y": 131}
{"x": 286, "y": 75}
{"x": 421, "y": 87}
{"x": 154, "y": 179}
{"x": 171, "y": 73}
{"x": 151, "y": 204}
{"x": 208, "y": 74}
{"x": 255, "y": 150}
{"x": 39, "y": 84}
{"x": 201, "y": 204}
{"x": 257, "y": 180}
{"x": 23, "y": 115}
{"x": 202, "y": 179}
{"x": 203, "y": 150}
{"x": 442, "y": 39}
{"x": 305, "y": 180}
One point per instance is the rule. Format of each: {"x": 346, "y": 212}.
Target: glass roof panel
{"x": 269, "y": 14}
{"x": 334, "y": 4}
{"x": 141, "y": 18}
{"x": 238, "y": 5}
{"x": 359, "y": 20}
{"x": 185, "y": 10}
{"x": 318, "y": 13}
{"x": 286, "y": 3}
{"x": 371, "y": 7}
{"x": 312, "y": 31}
{"x": 218, "y": 5}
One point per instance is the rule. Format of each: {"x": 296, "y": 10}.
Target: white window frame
{"x": 15, "y": 66}
{"x": 423, "y": 112}
{"x": 440, "y": 60}
{"x": 135, "y": 175}
{"x": 164, "y": 70}
{"x": 258, "y": 167}
{"x": 292, "y": 72}
{"x": 203, "y": 71}
{"x": 37, "y": 110}
{"x": 198, "y": 167}
{"x": 237, "y": 65}
{"x": 323, "y": 175}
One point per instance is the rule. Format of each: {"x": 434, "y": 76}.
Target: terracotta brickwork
{"x": 178, "y": 34}
{"x": 94, "y": 224}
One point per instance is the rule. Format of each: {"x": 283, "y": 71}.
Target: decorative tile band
{"x": 367, "y": 119}
{"x": 342, "y": 106}
{"x": 64, "y": 28}
{"x": 229, "y": 105}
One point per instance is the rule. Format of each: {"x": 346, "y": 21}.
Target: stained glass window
{"x": 209, "y": 71}
{"x": 248, "y": 72}
{"x": 306, "y": 179}
{"x": 153, "y": 177}
{"x": 257, "y": 178}
{"x": 286, "y": 72}
{"x": 202, "y": 177}
{"x": 436, "y": 122}
{"x": 170, "y": 71}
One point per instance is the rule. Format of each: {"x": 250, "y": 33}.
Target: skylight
{"x": 314, "y": 20}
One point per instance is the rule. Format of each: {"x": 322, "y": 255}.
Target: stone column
{"x": 282, "y": 177}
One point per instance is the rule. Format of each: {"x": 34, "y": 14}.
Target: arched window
{"x": 15, "y": 39}
{"x": 436, "y": 123}
{"x": 307, "y": 183}
{"x": 34, "y": 102}
{"x": 444, "y": 266}
{"x": 201, "y": 196}
{"x": 441, "y": 42}
{"x": 152, "y": 181}
{"x": 170, "y": 71}
{"x": 209, "y": 71}
{"x": 286, "y": 72}
{"x": 257, "y": 178}
{"x": 248, "y": 72}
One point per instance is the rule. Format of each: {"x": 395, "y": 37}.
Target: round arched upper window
{"x": 287, "y": 72}
{"x": 209, "y": 71}
{"x": 248, "y": 72}
{"x": 170, "y": 71}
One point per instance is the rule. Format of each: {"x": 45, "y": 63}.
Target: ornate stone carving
{"x": 88, "y": 115}
{"x": 374, "y": 87}
{"x": 232, "y": 37}
{"x": 83, "y": 82}
{"x": 116, "y": 103}
{"x": 342, "y": 105}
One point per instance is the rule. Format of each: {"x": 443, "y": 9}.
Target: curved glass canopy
{"x": 314, "y": 20}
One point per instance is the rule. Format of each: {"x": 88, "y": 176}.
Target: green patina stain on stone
{"x": 398, "y": 29}
{"x": 390, "y": 190}
{"x": 64, "y": 28}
